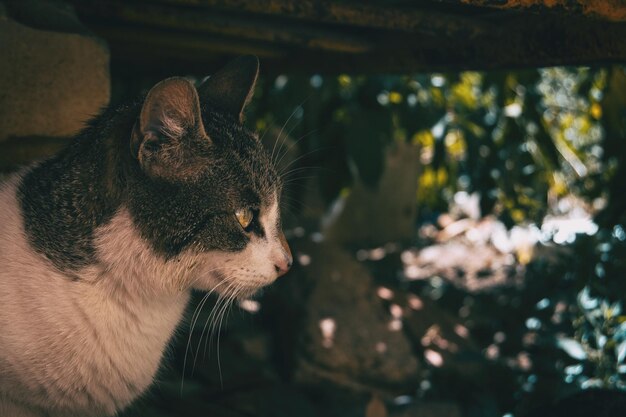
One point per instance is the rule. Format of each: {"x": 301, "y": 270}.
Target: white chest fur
{"x": 85, "y": 343}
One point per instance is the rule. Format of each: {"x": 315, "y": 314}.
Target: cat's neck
{"x": 75, "y": 213}
{"x": 127, "y": 265}
{"x": 66, "y": 198}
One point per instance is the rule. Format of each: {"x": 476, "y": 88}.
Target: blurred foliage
{"x": 521, "y": 141}
{"x": 517, "y": 139}
{"x": 600, "y": 345}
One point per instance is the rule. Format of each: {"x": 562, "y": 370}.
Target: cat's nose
{"x": 285, "y": 261}
{"x": 283, "y": 265}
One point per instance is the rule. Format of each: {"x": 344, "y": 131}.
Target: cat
{"x": 101, "y": 244}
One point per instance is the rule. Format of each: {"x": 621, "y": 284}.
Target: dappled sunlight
{"x": 251, "y": 306}
{"x": 434, "y": 358}
{"x": 461, "y": 331}
{"x": 524, "y": 362}
{"x": 396, "y": 311}
{"x": 385, "y": 293}
{"x": 303, "y": 259}
{"x": 381, "y": 347}
{"x": 328, "y": 326}
{"x": 414, "y": 302}
{"x": 372, "y": 255}
{"x": 492, "y": 352}
{"x": 433, "y": 337}
{"x": 395, "y": 325}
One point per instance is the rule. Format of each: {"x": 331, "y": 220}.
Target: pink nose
{"x": 285, "y": 260}
{"x": 283, "y": 265}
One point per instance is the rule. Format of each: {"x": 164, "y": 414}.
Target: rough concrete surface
{"x": 51, "y": 80}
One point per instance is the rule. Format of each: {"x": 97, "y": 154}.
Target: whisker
{"x": 312, "y": 168}
{"x": 288, "y": 119}
{"x": 272, "y": 125}
{"x": 215, "y": 312}
{"x": 290, "y": 209}
{"x": 197, "y": 316}
{"x": 282, "y": 144}
{"x": 211, "y": 332}
{"x": 293, "y": 206}
{"x": 281, "y": 131}
{"x": 227, "y": 310}
{"x": 194, "y": 319}
{"x": 280, "y": 153}
{"x": 304, "y": 156}
{"x": 203, "y": 275}
{"x": 296, "y": 179}
{"x": 290, "y": 200}
{"x": 290, "y": 147}
{"x": 212, "y": 315}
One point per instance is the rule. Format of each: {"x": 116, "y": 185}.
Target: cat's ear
{"x": 170, "y": 117}
{"x": 231, "y": 88}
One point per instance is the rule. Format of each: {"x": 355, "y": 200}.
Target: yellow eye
{"x": 244, "y": 217}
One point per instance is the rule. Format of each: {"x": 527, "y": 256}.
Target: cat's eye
{"x": 244, "y": 217}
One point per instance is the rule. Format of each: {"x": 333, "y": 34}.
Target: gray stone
{"x": 430, "y": 409}
{"x": 387, "y": 213}
{"x": 54, "y": 75}
{"x": 348, "y": 338}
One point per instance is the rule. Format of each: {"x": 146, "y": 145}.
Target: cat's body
{"x": 100, "y": 245}
{"x": 85, "y": 345}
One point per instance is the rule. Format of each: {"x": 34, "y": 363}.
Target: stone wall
{"x": 54, "y": 75}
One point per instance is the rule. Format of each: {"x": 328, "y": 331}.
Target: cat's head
{"x": 206, "y": 192}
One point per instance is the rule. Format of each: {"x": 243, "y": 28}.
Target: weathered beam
{"x": 256, "y": 28}
{"x": 359, "y": 13}
{"x": 177, "y": 44}
{"x": 522, "y": 44}
{"x": 612, "y": 10}
{"x": 185, "y": 36}
{"x": 165, "y": 52}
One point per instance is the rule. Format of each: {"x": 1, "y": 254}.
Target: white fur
{"x": 89, "y": 342}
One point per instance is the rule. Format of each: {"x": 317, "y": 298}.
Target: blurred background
{"x": 454, "y": 195}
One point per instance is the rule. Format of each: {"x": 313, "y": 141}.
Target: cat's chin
{"x": 240, "y": 293}
{"x": 240, "y": 289}
{"x": 251, "y": 292}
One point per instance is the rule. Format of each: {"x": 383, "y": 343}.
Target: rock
{"x": 276, "y": 400}
{"x": 376, "y": 408}
{"x": 387, "y": 213}
{"x": 347, "y": 337}
{"x": 594, "y": 402}
{"x": 54, "y": 75}
{"x": 445, "y": 340}
{"x": 472, "y": 267}
{"x": 430, "y": 409}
